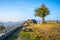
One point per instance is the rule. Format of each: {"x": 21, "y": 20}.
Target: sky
{"x": 17, "y": 10}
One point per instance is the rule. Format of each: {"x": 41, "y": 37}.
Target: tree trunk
{"x": 43, "y": 20}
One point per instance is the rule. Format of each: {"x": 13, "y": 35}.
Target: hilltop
{"x": 46, "y": 31}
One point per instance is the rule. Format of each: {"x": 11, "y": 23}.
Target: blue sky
{"x": 17, "y": 10}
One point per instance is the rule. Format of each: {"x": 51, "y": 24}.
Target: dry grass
{"x": 45, "y": 26}
{"x": 49, "y": 31}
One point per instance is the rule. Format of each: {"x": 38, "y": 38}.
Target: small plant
{"x": 30, "y": 36}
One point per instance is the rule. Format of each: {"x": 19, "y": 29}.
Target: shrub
{"x": 25, "y": 35}
{"x": 2, "y": 27}
{"x": 29, "y": 36}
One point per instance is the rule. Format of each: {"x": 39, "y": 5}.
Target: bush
{"x": 29, "y": 36}
{"x": 25, "y": 36}
{"x": 2, "y": 27}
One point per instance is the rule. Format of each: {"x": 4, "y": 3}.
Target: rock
{"x": 28, "y": 22}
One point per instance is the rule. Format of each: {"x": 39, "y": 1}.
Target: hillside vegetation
{"x": 2, "y": 27}
{"x": 45, "y": 31}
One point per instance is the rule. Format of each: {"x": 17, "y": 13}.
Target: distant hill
{"x": 10, "y": 23}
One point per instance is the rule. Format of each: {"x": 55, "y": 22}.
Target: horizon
{"x": 18, "y": 10}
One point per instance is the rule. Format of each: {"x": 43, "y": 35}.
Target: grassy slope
{"x": 48, "y": 31}
{"x": 45, "y": 26}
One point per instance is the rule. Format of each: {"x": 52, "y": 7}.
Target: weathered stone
{"x": 28, "y": 22}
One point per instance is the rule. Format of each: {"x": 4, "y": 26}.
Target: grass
{"x": 46, "y": 31}
{"x": 45, "y": 26}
